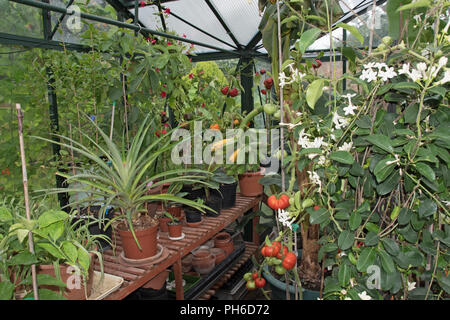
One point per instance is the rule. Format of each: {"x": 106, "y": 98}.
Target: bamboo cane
{"x": 112, "y": 121}
{"x": 27, "y": 200}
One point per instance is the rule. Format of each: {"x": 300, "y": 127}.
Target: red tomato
{"x": 276, "y": 204}
{"x": 272, "y": 202}
{"x": 284, "y": 201}
{"x": 260, "y": 282}
{"x": 255, "y": 275}
{"x": 316, "y": 208}
{"x": 289, "y": 261}
{"x": 284, "y": 252}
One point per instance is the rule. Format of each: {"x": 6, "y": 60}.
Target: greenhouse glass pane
{"x": 363, "y": 24}
{"x": 21, "y": 20}
{"x": 242, "y": 17}
{"x": 69, "y": 32}
{"x": 199, "y": 15}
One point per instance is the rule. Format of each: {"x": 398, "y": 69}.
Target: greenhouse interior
{"x": 230, "y": 150}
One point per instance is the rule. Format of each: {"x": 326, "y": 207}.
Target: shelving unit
{"x": 135, "y": 277}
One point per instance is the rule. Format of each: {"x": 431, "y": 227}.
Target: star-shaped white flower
{"x": 411, "y": 286}
{"x": 346, "y": 146}
{"x": 364, "y": 296}
{"x": 350, "y": 110}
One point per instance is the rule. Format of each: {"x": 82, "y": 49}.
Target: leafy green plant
{"x": 123, "y": 181}
{"x": 57, "y": 240}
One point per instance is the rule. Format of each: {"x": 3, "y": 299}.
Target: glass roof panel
{"x": 199, "y": 15}
{"x": 242, "y": 18}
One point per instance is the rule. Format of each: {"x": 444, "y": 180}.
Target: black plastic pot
{"x": 95, "y": 229}
{"x": 192, "y": 215}
{"x": 215, "y": 203}
{"x": 193, "y": 194}
{"x": 228, "y": 192}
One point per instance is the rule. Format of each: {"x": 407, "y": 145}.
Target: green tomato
{"x": 307, "y": 203}
{"x": 386, "y": 40}
{"x": 278, "y": 154}
{"x": 381, "y": 47}
{"x": 270, "y": 108}
{"x": 277, "y": 115}
{"x": 248, "y": 276}
{"x": 280, "y": 269}
{"x": 251, "y": 285}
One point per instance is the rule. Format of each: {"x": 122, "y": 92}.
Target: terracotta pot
{"x": 249, "y": 185}
{"x": 175, "y": 229}
{"x": 67, "y": 276}
{"x": 147, "y": 239}
{"x": 152, "y": 206}
{"x": 175, "y": 211}
{"x": 223, "y": 241}
{"x": 203, "y": 261}
{"x": 163, "y": 224}
{"x": 157, "y": 282}
{"x": 219, "y": 254}
{"x": 186, "y": 263}
{"x": 165, "y": 187}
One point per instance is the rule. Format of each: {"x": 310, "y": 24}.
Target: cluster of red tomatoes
{"x": 254, "y": 280}
{"x": 287, "y": 258}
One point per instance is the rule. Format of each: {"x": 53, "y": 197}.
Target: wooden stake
{"x": 27, "y": 200}
{"x": 112, "y": 121}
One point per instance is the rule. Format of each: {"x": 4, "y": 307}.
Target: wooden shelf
{"x": 135, "y": 277}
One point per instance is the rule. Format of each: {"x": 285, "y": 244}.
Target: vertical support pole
{"x": 247, "y": 102}
{"x": 53, "y": 108}
{"x": 343, "y": 59}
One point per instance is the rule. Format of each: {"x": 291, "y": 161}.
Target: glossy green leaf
{"x": 381, "y": 141}
{"x": 344, "y": 157}
{"x": 314, "y": 92}
{"x": 345, "y": 240}
{"x": 366, "y": 258}
{"x": 353, "y": 30}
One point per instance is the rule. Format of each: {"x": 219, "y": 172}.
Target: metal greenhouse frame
{"x": 245, "y": 52}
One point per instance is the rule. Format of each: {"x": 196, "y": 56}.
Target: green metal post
{"x": 53, "y": 109}
{"x": 247, "y": 102}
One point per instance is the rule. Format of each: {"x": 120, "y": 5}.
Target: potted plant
{"x": 124, "y": 184}
{"x": 64, "y": 255}
{"x": 175, "y": 226}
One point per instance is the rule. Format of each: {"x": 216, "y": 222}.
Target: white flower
{"x": 350, "y": 110}
{"x": 415, "y": 75}
{"x": 445, "y": 79}
{"x": 348, "y": 95}
{"x": 364, "y": 296}
{"x": 322, "y": 160}
{"x": 303, "y": 139}
{"x": 315, "y": 179}
{"x": 388, "y": 74}
{"x": 347, "y": 146}
{"x": 339, "y": 121}
{"x": 282, "y": 77}
{"x": 369, "y": 75}
{"x": 348, "y": 298}
{"x": 344, "y": 292}
{"x": 404, "y": 69}
{"x": 418, "y": 18}
{"x": 447, "y": 203}
{"x": 411, "y": 286}
{"x": 369, "y": 65}
{"x": 283, "y": 217}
